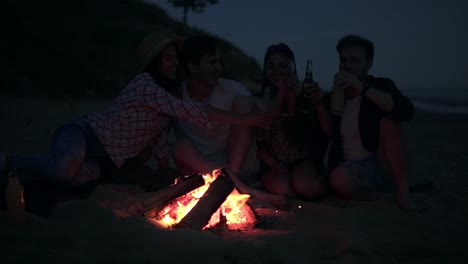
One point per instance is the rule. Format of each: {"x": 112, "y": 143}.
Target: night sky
{"x": 421, "y": 45}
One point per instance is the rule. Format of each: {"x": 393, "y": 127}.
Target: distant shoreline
{"x": 441, "y": 106}
{"x": 425, "y": 104}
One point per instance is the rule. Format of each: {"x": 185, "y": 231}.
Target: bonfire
{"x": 234, "y": 212}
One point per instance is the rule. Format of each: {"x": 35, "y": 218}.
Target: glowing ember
{"x": 234, "y": 209}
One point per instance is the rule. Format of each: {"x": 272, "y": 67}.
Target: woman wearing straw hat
{"x": 116, "y": 143}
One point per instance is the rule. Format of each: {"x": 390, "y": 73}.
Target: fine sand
{"x": 327, "y": 231}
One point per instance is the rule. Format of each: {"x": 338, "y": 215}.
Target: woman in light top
{"x": 291, "y": 154}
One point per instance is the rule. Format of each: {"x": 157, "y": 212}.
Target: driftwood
{"x": 155, "y": 201}
{"x": 208, "y": 204}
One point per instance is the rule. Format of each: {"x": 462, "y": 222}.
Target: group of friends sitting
{"x": 218, "y": 123}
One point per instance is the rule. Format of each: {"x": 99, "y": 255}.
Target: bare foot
{"x": 408, "y": 205}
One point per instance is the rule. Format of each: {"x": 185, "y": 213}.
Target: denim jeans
{"x": 374, "y": 173}
{"x": 75, "y": 156}
{"x": 78, "y": 157}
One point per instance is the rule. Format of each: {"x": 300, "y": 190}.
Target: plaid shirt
{"x": 140, "y": 117}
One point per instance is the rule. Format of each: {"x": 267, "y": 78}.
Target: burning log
{"x": 155, "y": 201}
{"x": 209, "y": 203}
{"x": 276, "y": 200}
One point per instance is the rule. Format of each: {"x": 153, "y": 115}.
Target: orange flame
{"x": 231, "y": 209}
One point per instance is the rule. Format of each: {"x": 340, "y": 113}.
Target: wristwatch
{"x": 365, "y": 88}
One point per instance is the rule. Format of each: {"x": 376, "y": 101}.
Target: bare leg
{"x": 394, "y": 157}
{"x": 190, "y": 161}
{"x": 350, "y": 182}
{"x": 306, "y": 182}
{"x": 68, "y": 158}
{"x": 276, "y": 184}
{"x": 241, "y": 140}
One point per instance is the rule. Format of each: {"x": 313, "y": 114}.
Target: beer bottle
{"x": 14, "y": 195}
{"x": 337, "y": 101}
{"x": 309, "y": 77}
{"x": 308, "y": 107}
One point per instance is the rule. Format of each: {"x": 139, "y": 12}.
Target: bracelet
{"x": 365, "y": 88}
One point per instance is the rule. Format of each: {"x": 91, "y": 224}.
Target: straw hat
{"x": 153, "y": 44}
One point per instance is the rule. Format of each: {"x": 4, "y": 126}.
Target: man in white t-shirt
{"x": 203, "y": 150}
{"x": 368, "y": 133}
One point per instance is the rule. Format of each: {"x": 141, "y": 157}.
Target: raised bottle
{"x": 307, "y": 106}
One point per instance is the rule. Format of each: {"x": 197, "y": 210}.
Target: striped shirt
{"x": 140, "y": 117}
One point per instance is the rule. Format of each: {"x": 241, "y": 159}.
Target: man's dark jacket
{"x": 370, "y": 115}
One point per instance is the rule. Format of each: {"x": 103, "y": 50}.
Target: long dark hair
{"x": 272, "y": 49}
{"x": 170, "y": 85}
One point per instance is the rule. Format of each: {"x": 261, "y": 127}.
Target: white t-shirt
{"x": 213, "y": 141}
{"x": 350, "y": 134}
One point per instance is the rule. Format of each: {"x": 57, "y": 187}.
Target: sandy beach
{"x": 81, "y": 231}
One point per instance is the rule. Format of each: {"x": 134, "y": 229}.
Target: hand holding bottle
{"x": 313, "y": 93}
{"x": 347, "y": 80}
